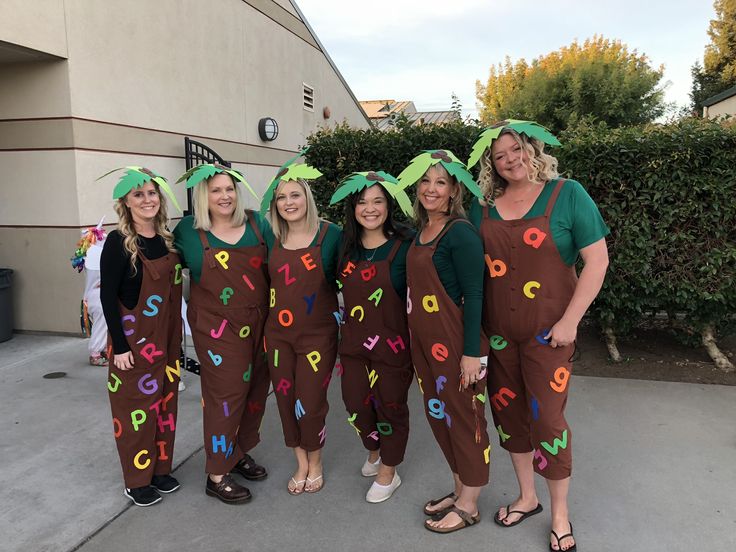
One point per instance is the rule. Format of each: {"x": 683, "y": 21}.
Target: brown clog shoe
{"x": 228, "y": 490}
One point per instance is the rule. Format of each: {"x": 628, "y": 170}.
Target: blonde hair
{"x": 455, "y": 208}
{"x": 127, "y": 230}
{"x": 202, "y": 220}
{"x": 541, "y": 168}
{"x": 279, "y": 225}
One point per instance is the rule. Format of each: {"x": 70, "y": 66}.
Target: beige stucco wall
{"x": 726, "y": 107}
{"x": 139, "y": 76}
{"x": 35, "y": 24}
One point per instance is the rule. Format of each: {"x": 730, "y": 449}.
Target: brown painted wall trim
{"x": 123, "y": 125}
{"x": 280, "y": 16}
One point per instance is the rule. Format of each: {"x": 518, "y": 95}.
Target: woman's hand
{"x": 470, "y": 371}
{"x": 562, "y": 333}
{"x": 124, "y": 361}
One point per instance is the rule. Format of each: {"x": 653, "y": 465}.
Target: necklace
{"x": 370, "y": 259}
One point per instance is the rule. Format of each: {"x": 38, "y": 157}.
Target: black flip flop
{"x": 524, "y": 515}
{"x": 559, "y": 546}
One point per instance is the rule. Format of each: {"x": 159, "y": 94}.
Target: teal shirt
{"x": 398, "y": 265}
{"x": 459, "y": 263}
{"x": 575, "y": 221}
{"x": 330, "y": 249}
{"x": 186, "y": 240}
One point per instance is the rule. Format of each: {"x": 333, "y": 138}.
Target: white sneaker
{"x": 370, "y": 469}
{"x": 378, "y": 493}
{"x": 182, "y": 387}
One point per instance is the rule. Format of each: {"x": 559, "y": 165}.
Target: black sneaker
{"x": 143, "y": 496}
{"x": 164, "y": 483}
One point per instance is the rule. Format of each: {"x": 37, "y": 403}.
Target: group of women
{"x": 430, "y": 303}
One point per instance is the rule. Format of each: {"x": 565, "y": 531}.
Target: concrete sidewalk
{"x": 655, "y": 469}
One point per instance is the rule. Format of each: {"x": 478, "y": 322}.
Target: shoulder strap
{"x": 206, "y": 252}
{"x": 254, "y": 226}
{"x": 553, "y": 198}
{"x": 322, "y": 233}
{"x": 446, "y": 229}
{"x": 394, "y": 250}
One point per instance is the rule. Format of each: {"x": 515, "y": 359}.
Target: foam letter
{"x": 562, "y": 376}
{"x": 248, "y": 282}
{"x": 137, "y": 417}
{"x": 217, "y": 334}
{"x": 372, "y": 377}
{"x": 496, "y": 267}
{"x": 223, "y": 257}
{"x": 147, "y": 387}
{"x": 499, "y": 399}
{"x": 177, "y": 274}
{"x": 534, "y": 237}
{"x": 117, "y": 427}
{"x": 429, "y": 302}
{"x": 368, "y": 273}
{"x": 440, "y": 383}
{"x": 218, "y": 443}
{"x": 504, "y": 436}
{"x": 162, "y": 450}
{"x": 226, "y": 294}
{"x": 176, "y": 371}
{"x": 395, "y": 344}
{"x": 310, "y": 302}
{"x": 137, "y": 460}
{"x": 542, "y": 460}
{"x": 529, "y": 286}
{"x": 371, "y": 342}
{"x": 314, "y": 357}
{"x": 498, "y": 343}
{"x": 150, "y": 303}
{"x": 125, "y": 318}
{"x": 308, "y": 262}
{"x": 351, "y": 419}
{"x": 288, "y": 279}
{"x": 286, "y": 318}
{"x": 272, "y": 304}
{"x": 348, "y": 269}
{"x": 376, "y": 296}
{"x": 436, "y": 408}
{"x": 244, "y": 332}
{"x": 114, "y": 388}
{"x": 440, "y": 352}
{"x": 247, "y": 373}
{"x": 354, "y": 310}
{"x": 384, "y": 428}
{"x": 553, "y": 449}
{"x": 170, "y": 423}
{"x": 216, "y": 359}
{"x": 299, "y": 409}
{"x": 149, "y": 352}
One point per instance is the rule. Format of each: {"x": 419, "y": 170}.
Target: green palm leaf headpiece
{"x": 288, "y": 171}
{"x": 530, "y": 128}
{"x": 197, "y": 174}
{"x": 358, "y": 181}
{"x": 136, "y": 177}
{"x": 454, "y": 167}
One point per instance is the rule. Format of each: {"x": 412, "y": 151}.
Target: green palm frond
{"x": 459, "y": 171}
{"x": 287, "y": 172}
{"x": 135, "y": 177}
{"x": 197, "y": 174}
{"x": 416, "y": 169}
{"x": 358, "y": 181}
{"x": 237, "y": 175}
{"x": 530, "y": 128}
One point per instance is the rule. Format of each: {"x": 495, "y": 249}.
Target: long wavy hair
{"x": 126, "y": 227}
{"x": 455, "y": 208}
{"x": 279, "y": 225}
{"x": 352, "y": 244}
{"x": 541, "y": 168}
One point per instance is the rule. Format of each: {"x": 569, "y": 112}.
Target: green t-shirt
{"x": 398, "y": 265}
{"x": 330, "y": 249}
{"x": 575, "y": 221}
{"x": 186, "y": 240}
{"x": 459, "y": 263}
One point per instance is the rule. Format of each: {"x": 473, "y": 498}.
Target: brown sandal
{"x": 466, "y": 520}
{"x": 428, "y": 512}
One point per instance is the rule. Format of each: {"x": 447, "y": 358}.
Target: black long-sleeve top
{"x": 118, "y": 284}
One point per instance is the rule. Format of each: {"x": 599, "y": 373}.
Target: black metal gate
{"x": 196, "y": 153}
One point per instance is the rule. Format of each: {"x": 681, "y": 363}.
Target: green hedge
{"x": 668, "y": 193}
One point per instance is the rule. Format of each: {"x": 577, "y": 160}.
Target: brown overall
{"x": 144, "y": 399}
{"x": 375, "y": 356}
{"x": 226, "y": 312}
{"x": 456, "y": 416}
{"x": 301, "y": 341}
{"x": 527, "y": 289}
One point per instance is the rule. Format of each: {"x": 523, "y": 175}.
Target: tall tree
{"x": 718, "y": 71}
{"x": 598, "y": 80}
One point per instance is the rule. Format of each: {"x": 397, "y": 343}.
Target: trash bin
{"x": 6, "y": 304}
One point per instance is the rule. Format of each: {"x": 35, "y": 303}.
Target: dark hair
{"x": 352, "y": 247}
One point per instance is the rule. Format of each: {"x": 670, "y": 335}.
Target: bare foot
{"x": 519, "y": 505}
{"x": 564, "y": 530}
{"x": 314, "y": 478}
{"x": 451, "y": 519}
{"x": 443, "y": 505}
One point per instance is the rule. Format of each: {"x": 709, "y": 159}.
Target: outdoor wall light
{"x": 268, "y": 129}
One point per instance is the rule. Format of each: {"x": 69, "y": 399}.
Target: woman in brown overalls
{"x": 444, "y": 297}
{"x": 374, "y": 340}
{"x": 301, "y": 329}
{"x": 141, "y": 298}
{"x": 224, "y": 247}
{"x": 533, "y": 228}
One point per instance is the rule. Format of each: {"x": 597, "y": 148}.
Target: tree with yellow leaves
{"x": 598, "y": 80}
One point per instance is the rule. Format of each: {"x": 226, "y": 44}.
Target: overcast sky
{"x": 424, "y": 50}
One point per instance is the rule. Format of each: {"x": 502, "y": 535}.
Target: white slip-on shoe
{"x": 370, "y": 469}
{"x": 378, "y": 493}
